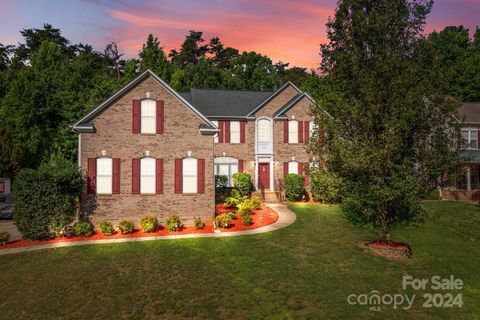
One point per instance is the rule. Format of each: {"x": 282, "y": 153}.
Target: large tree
{"x": 384, "y": 111}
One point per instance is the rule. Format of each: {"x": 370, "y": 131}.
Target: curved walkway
{"x": 285, "y": 218}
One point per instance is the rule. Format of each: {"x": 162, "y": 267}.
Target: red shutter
{"x": 221, "y": 127}
{"x": 135, "y": 176}
{"x": 160, "y": 117}
{"x": 300, "y": 168}
{"x": 159, "y": 177}
{"x": 285, "y": 131}
{"x": 91, "y": 175}
{"x": 201, "y": 176}
{"x": 240, "y": 165}
{"x": 300, "y": 131}
{"x": 136, "y": 116}
{"x": 242, "y": 131}
{"x": 285, "y": 168}
{"x": 227, "y": 131}
{"x": 178, "y": 175}
{"x": 116, "y": 176}
{"x": 306, "y": 131}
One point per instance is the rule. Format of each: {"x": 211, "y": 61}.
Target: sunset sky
{"x": 285, "y": 30}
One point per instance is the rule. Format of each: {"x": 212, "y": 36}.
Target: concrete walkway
{"x": 285, "y": 218}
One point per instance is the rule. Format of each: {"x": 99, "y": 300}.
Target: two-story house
{"x": 151, "y": 150}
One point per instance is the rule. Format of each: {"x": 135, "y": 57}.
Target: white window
{"x": 148, "y": 114}
{"x": 104, "y": 175}
{"x": 225, "y": 166}
{"x": 311, "y": 129}
{"x": 147, "y": 175}
{"x": 469, "y": 138}
{"x": 292, "y": 131}
{"x": 234, "y": 132}
{"x": 293, "y": 167}
{"x": 215, "y": 137}
{"x": 263, "y": 130}
{"x": 189, "y": 182}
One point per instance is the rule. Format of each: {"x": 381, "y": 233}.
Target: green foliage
{"x": 243, "y": 183}
{"x": 173, "y": 223}
{"x": 246, "y": 206}
{"x": 326, "y": 187}
{"x": 83, "y": 229}
{"x": 234, "y": 199}
{"x": 433, "y": 194}
{"x": 198, "y": 223}
{"x": 152, "y": 57}
{"x": 247, "y": 219}
{"x": 45, "y": 199}
{"x": 223, "y": 221}
{"x": 220, "y": 184}
{"x": 256, "y": 203}
{"x": 107, "y": 228}
{"x": 231, "y": 215}
{"x": 149, "y": 223}
{"x": 294, "y": 187}
{"x": 4, "y": 237}
{"x": 126, "y": 226}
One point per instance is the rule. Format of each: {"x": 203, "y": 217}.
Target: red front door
{"x": 264, "y": 175}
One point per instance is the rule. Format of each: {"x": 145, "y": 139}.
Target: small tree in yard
{"x": 385, "y": 114}
{"x": 45, "y": 199}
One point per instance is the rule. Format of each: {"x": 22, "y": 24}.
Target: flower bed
{"x": 262, "y": 217}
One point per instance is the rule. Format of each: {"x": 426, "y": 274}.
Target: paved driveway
{"x": 7, "y": 225}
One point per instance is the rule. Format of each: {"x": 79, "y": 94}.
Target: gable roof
{"x": 85, "y": 124}
{"x": 280, "y": 114}
{"x": 469, "y": 112}
{"x": 272, "y": 96}
{"x": 215, "y": 103}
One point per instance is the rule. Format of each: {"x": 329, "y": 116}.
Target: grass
{"x": 305, "y": 271}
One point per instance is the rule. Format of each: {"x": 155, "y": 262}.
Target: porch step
{"x": 270, "y": 196}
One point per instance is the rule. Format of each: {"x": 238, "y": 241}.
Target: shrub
{"x": 83, "y": 229}
{"x": 198, "y": 223}
{"x": 173, "y": 223}
{"x": 294, "y": 187}
{"x": 4, "y": 237}
{"x": 149, "y": 223}
{"x": 247, "y": 219}
{"x": 326, "y": 187}
{"x": 233, "y": 200}
{"x": 243, "y": 183}
{"x": 223, "y": 221}
{"x": 433, "y": 194}
{"x": 256, "y": 203}
{"x": 126, "y": 226}
{"x": 231, "y": 216}
{"x": 107, "y": 228}
{"x": 45, "y": 199}
{"x": 246, "y": 206}
{"x": 220, "y": 184}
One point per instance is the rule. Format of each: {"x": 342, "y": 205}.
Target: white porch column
{"x": 469, "y": 185}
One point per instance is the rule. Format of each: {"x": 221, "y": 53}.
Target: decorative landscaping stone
{"x": 390, "y": 250}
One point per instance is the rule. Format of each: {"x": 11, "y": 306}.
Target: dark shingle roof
{"x": 225, "y": 103}
{"x": 470, "y": 112}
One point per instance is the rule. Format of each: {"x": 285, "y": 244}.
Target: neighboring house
{"x": 468, "y": 188}
{"x": 151, "y": 150}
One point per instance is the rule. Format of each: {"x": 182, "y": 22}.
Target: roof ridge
{"x": 235, "y": 90}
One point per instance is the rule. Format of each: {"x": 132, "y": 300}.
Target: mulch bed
{"x": 260, "y": 218}
{"x": 388, "y": 249}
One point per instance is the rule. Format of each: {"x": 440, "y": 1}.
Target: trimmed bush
{"x": 198, "y": 223}
{"x": 223, "y": 221}
{"x": 246, "y": 207}
{"x": 45, "y": 199}
{"x": 173, "y": 223}
{"x": 256, "y": 203}
{"x": 107, "y": 228}
{"x": 149, "y": 223}
{"x": 220, "y": 184}
{"x": 4, "y": 237}
{"x": 233, "y": 200}
{"x": 83, "y": 229}
{"x": 326, "y": 187}
{"x": 247, "y": 219}
{"x": 231, "y": 215}
{"x": 433, "y": 194}
{"x": 126, "y": 226}
{"x": 243, "y": 183}
{"x": 294, "y": 187}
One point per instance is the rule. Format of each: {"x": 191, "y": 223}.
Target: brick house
{"x": 151, "y": 150}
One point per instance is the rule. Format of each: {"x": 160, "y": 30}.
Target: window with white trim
{"x": 234, "y": 132}
{"x": 263, "y": 130}
{"x": 292, "y": 131}
{"x": 215, "y": 136}
{"x": 148, "y": 114}
{"x": 147, "y": 175}
{"x": 104, "y": 175}
{"x": 311, "y": 129}
{"x": 470, "y": 138}
{"x": 225, "y": 166}
{"x": 293, "y": 167}
{"x": 190, "y": 171}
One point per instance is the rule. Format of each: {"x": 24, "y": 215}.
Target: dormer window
{"x": 148, "y": 116}
{"x": 470, "y": 138}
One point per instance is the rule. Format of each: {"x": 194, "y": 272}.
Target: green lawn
{"x": 305, "y": 271}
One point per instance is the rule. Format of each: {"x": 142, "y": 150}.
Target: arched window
{"x": 225, "y": 166}
{"x": 147, "y": 175}
{"x": 293, "y": 167}
{"x": 292, "y": 131}
{"x": 263, "y": 130}
{"x": 104, "y": 175}
{"x": 190, "y": 171}
{"x": 148, "y": 112}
